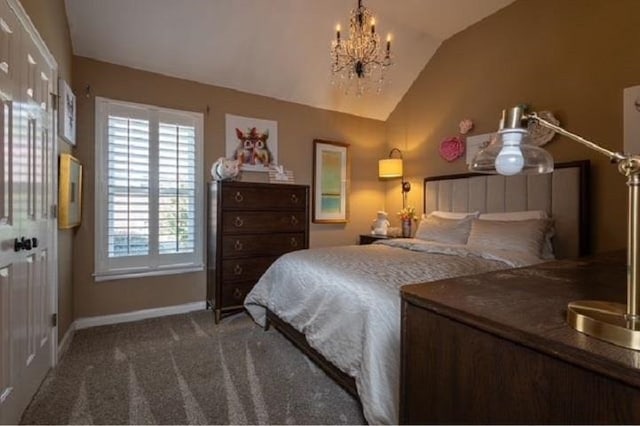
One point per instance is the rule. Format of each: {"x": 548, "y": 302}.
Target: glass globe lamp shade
{"x": 510, "y": 154}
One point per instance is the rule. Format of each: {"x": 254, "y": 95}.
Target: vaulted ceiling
{"x": 275, "y": 48}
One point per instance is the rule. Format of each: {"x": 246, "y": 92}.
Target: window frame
{"x": 152, "y": 264}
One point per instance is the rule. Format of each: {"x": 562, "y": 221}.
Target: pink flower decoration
{"x": 465, "y": 125}
{"x": 451, "y": 148}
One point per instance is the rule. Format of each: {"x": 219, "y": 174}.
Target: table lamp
{"x": 393, "y": 168}
{"x": 511, "y": 154}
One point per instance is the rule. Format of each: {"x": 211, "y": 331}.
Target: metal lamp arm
{"x": 629, "y": 166}
{"x": 614, "y": 156}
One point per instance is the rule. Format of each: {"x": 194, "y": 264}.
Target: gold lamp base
{"x": 605, "y": 321}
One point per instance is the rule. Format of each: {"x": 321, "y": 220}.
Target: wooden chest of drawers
{"x": 495, "y": 348}
{"x": 250, "y": 225}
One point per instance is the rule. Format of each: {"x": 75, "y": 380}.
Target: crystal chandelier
{"x": 359, "y": 62}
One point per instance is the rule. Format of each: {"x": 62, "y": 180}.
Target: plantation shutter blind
{"x": 128, "y": 186}
{"x": 176, "y": 182}
{"x": 149, "y": 210}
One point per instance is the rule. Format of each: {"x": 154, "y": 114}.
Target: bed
{"x": 341, "y": 305}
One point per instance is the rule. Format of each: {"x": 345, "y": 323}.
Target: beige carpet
{"x": 184, "y": 369}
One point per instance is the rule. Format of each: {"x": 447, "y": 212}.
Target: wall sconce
{"x": 512, "y": 154}
{"x": 391, "y": 167}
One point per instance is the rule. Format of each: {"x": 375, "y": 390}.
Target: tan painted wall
{"x": 567, "y": 56}
{"x": 570, "y": 57}
{"x": 297, "y": 127}
{"x": 50, "y": 19}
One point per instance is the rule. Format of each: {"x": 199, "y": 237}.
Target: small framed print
{"x": 477, "y": 143}
{"x": 66, "y": 113}
{"x": 330, "y": 182}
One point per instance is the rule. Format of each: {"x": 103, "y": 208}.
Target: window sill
{"x": 99, "y": 277}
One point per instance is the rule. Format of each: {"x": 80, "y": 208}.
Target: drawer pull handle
{"x": 294, "y": 220}
{"x": 238, "y": 245}
{"x": 237, "y": 270}
{"x": 237, "y": 294}
{"x": 238, "y": 222}
{"x": 239, "y": 198}
{"x": 294, "y": 198}
{"x": 294, "y": 242}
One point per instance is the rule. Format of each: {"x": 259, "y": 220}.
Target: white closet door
{"x": 26, "y": 169}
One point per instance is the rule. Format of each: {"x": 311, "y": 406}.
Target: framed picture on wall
{"x": 252, "y": 141}
{"x": 476, "y": 143}
{"x": 66, "y": 112}
{"x": 331, "y": 174}
{"x": 69, "y": 192}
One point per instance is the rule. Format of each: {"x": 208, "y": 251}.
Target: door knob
{"x": 26, "y": 243}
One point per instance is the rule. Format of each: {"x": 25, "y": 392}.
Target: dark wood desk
{"x": 495, "y": 348}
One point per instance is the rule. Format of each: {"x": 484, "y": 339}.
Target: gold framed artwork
{"x": 69, "y": 192}
{"x": 331, "y": 174}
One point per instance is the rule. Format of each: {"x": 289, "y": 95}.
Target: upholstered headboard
{"x": 563, "y": 194}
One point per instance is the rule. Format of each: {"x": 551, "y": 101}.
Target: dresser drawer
{"x": 233, "y": 294}
{"x": 262, "y": 222}
{"x": 258, "y": 198}
{"x": 273, "y": 245}
{"x": 245, "y": 269}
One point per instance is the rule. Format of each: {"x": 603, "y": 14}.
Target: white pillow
{"x": 524, "y": 236}
{"x": 441, "y": 230}
{"x": 547, "y": 247}
{"x": 452, "y": 215}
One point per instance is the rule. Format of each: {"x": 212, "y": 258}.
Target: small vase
{"x": 406, "y": 228}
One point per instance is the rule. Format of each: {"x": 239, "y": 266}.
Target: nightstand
{"x": 369, "y": 238}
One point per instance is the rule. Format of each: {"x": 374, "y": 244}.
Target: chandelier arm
{"x": 359, "y": 59}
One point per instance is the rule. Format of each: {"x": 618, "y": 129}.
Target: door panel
{"x": 10, "y": 315}
{"x": 6, "y": 334}
{"x": 26, "y": 185}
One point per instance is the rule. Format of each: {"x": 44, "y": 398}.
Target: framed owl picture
{"x": 252, "y": 141}
{"x": 66, "y": 113}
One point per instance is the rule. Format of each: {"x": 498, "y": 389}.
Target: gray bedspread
{"x": 346, "y": 301}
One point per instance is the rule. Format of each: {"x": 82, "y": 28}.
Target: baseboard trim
{"x": 64, "y": 344}
{"x": 82, "y": 323}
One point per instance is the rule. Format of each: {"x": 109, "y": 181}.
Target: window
{"x": 149, "y": 210}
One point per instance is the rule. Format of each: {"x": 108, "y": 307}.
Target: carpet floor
{"x": 184, "y": 369}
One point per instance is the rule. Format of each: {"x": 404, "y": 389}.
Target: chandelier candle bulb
{"x": 388, "y": 43}
{"x": 338, "y": 33}
{"x": 373, "y": 25}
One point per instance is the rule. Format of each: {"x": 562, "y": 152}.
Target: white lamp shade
{"x": 390, "y": 168}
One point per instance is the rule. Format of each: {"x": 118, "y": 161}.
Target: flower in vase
{"x": 407, "y": 213}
